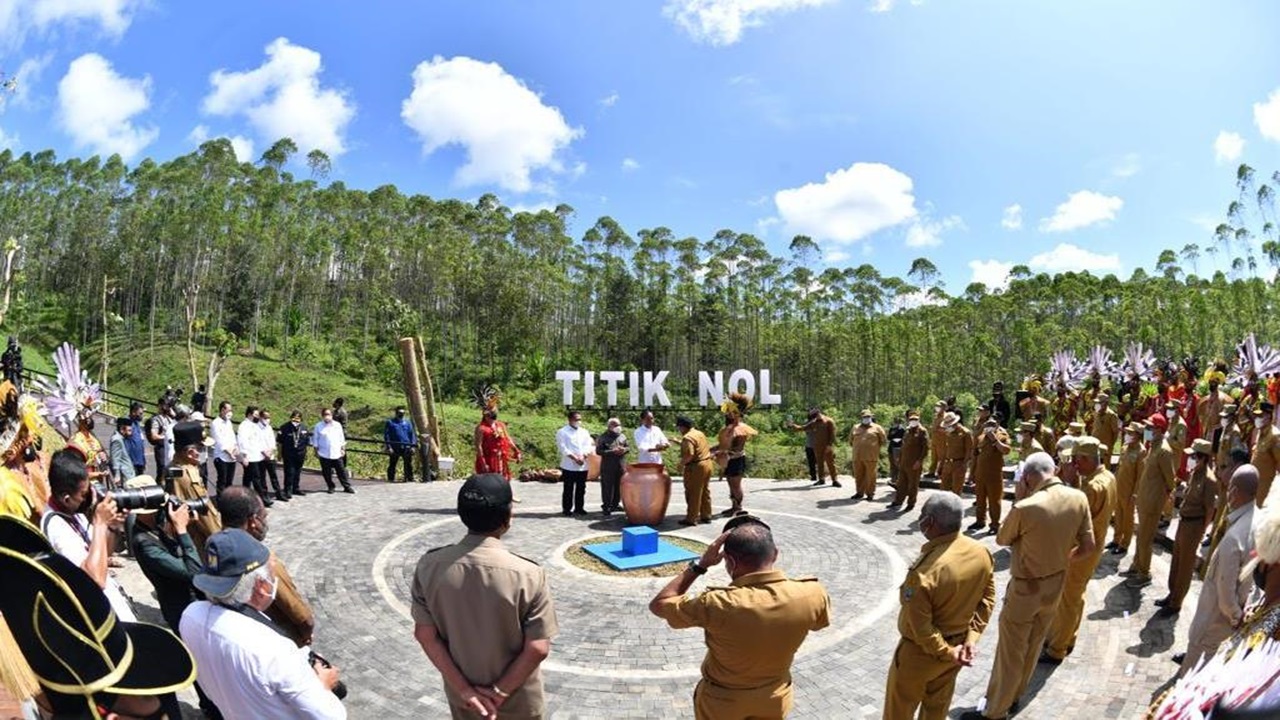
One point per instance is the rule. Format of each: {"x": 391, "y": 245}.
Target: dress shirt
{"x": 572, "y": 441}
{"x": 70, "y": 536}
{"x": 249, "y": 440}
{"x": 329, "y": 439}
{"x": 647, "y": 438}
{"x": 267, "y": 440}
{"x": 224, "y": 439}
{"x": 251, "y": 672}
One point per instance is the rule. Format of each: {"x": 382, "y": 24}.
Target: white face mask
{"x": 1259, "y": 422}
{"x": 1097, "y": 406}
{"x": 1192, "y": 464}
{"x": 1148, "y": 435}
{"x": 1170, "y": 413}
{"x": 1130, "y": 437}
{"x": 1224, "y": 422}
{"x": 913, "y": 424}
{"x": 1021, "y": 438}
{"x": 575, "y": 424}
{"x": 866, "y": 421}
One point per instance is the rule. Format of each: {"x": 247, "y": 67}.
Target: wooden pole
{"x": 413, "y": 395}
{"x": 428, "y": 389}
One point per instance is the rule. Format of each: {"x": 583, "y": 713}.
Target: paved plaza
{"x": 353, "y": 557}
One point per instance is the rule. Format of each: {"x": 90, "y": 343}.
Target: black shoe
{"x": 816, "y": 483}
{"x": 687, "y": 522}
{"x": 893, "y": 505}
{"x": 909, "y": 507}
{"x": 870, "y": 496}
{"x": 579, "y": 511}
{"x": 1162, "y": 602}
{"x": 1167, "y": 611}
{"x": 1163, "y": 524}
{"x": 349, "y": 490}
{"x": 1047, "y": 659}
{"x": 566, "y": 513}
{"x": 995, "y": 528}
{"x": 297, "y": 493}
{"x": 1120, "y": 551}
{"x": 282, "y": 497}
{"x": 704, "y": 521}
{"x": 857, "y": 496}
{"x": 973, "y": 715}
{"x": 836, "y": 483}
{"x": 268, "y": 502}
{"x": 1112, "y": 545}
{"x": 329, "y": 490}
{"x": 1178, "y": 658}
{"x": 977, "y": 526}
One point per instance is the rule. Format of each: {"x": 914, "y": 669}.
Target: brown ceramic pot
{"x": 646, "y": 492}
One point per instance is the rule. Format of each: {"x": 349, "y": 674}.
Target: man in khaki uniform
{"x": 1266, "y": 449}
{"x": 819, "y": 446}
{"x": 915, "y": 444}
{"x": 1176, "y": 435}
{"x": 1027, "y": 442}
{"x": 1128, "y": 470}
{"x": 1197, "y": 508}
{"x": 937, "y": 438}
{"x": 1157, "y": 481}
{"x": 988, "y": 474}
{"x": 184, "y": 480}
{"x": 946, "y": 600}
{"x": 957, "y": 451}
{"x": 482, "y": 614}
{"x": 1099, "y": 487}
{"x": 753, "y": 628}
{"x": 1043, "y": 434}
{"x": 867, "y": 439}
{"x": 697, "y": 467}
{"x": 1105, "y": 426}
{"x": 1047, "y": 529}
{"x": 1226, "y": 437}
{"x": 1209, "y": 408}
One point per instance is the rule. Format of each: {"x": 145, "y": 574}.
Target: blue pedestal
{"x": 641, "y": 547}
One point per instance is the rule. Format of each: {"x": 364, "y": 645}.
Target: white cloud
{"x": 610, "y": 100}
{"x": 721, "y": 22}
{"x": 1227, "y": 147}
{"x": 849, "y": 204}
{"x": 992, "y": 273}
{"x": 199, "y": 135}
{"x": 883, "y": 6}
{"x": 283, "y": 98}
{"x": 18, "y": 18}
{"x": 1128, "y": 166}
{"x": 1012, "y": 219}
{"x": 1267, "y": 116}
{"x": 1071, "y": 258}
{"x": 1082, "y": 209}
{"x": 8, "y": 141}
{"x": 836, "y": 256}
{"x": 926, "y": 232}
{"x": 97, "y": 106}
{"x": 630, "y": 164}
{"x": 508, "y": 132}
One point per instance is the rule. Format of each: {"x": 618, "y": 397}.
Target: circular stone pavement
{"x": 353, "y": 557}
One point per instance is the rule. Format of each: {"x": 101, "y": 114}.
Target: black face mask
{"x": 1260, "y": 576}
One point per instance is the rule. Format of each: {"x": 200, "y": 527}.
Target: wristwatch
{"x": 695, "y": 568}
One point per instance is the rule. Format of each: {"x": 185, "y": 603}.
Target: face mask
{"x": 1259, "y": 422}
{"x": 1192, "y": 464}
{"x": 1097, "y": 406}
{"x": 1224, "y": 422}
{"x": 574, "y": 424}
{"x": 1148, "y": 435}
{"x": 866, "y": 421}
{"x": 913, "y": 424}
{"x": 1021, "y": 438}
{"x": 1170, "y": 413}
{"x": 1130, "y": 437}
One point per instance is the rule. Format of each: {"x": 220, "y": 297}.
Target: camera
{"x": 149, "y": 498}
{"x": 340, "y": 689}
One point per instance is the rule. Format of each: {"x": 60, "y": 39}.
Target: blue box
{"x": 615, "y": 557}
{"x": 641, "y": 540}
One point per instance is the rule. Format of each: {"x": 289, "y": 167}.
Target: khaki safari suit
{"x": 1128, "y": 470}
{"x": 937, "y": 442}
{"x": 484, "y": 603}
{"x": 915, "y": 443}
{"x": 753, "y": 629}
{"x": 959, "y": 449}
{"x": 1046, "y": 438}
{"x": 1100, "y": 490}
{"x": 1041, "y": 530}
{"x": 867, "y": 442}
{"x": 697, "y": 465}
{"x": 988, "y": 474}
{"x": 1155, "y": 484}
{"x": 947, "y": 599}
{"x": 821, "y": 433}
{"x": 289, "y": 611}
{"x": 189, "y": 486}
{"x": 1106, "y": 427}
{"x": 1266, "y": 457}
{"x": 1197, "y": 507}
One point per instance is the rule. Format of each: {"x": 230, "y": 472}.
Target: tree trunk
{"x": 413, "y": 397}
{"x": 428, "y": 388}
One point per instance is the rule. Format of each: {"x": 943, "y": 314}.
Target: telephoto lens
{"x": 144, "y": 498}
{"x": 197, "y": 506}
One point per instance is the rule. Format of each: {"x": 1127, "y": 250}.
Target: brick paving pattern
{"x": 353, "y": 556}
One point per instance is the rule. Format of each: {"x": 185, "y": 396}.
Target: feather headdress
{"x": 1064, "y": 370}
{"x": 1216, "y": 372}
{"x": 486, "y": 397}
{"x": 1139, "y": 362}
{"x": 21, "y": 421}
{"x": 736, "y": 404}
{"x": 1033, "y": 383}
{"x": 72, "y": 396}
{"x": 1253, "y": 361}
{"x": 1099, "y": 363}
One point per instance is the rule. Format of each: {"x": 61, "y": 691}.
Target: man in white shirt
{"x": 1223, "y": 594}
{"x": 249, "y": 441}
{"x": 575, "y": 444}
{"x": 267, "y": 441}
{"x": 650, "y": 440}
{"x": 85, "y": 541}
{"x": 243, "y": 661}
{"x": 330, "y": 442}
{"x": 223, "y": 432}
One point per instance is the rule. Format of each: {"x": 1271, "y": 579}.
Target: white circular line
{"x": 823, "y": 640}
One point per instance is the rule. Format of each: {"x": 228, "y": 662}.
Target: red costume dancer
{"x": 493, "y": 444}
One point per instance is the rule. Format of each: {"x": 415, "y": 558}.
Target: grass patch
{"x": 585, "y": 560}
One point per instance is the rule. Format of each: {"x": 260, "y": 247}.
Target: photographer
{"x": 165, "y": 552}
{"x": 78, "y": 524}
{"x": 185, "y": 482}
{"x": 248, "y": 671}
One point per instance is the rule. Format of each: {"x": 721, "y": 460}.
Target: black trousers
{"x": 328, "y": 467}
{"x": 292, "y": 472}
{"x": 811, "y": 457}
{"x": 269, "y": 471}
{"x": 225, "y": 471}
{"x": 396, "y": 454}
{"x": 253, "y": 478}
{"x": 575, "y": 490}
{"x": 610, "y": 496}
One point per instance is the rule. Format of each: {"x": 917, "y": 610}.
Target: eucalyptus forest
{"x": 235, "y": 257}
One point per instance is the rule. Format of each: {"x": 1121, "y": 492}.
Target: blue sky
{"x": 1072, "y": 134}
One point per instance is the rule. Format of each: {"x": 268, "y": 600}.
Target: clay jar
{"x": 646, "y": 492}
